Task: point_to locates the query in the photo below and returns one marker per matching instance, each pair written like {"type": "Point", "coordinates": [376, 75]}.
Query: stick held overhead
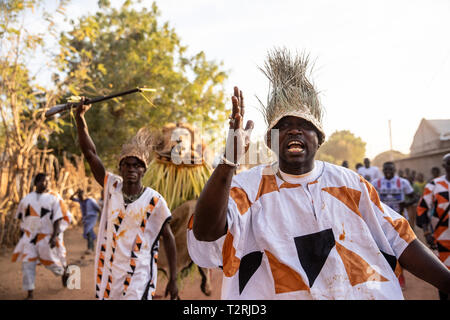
{"type": "Point", "coordinates": [67, 106]}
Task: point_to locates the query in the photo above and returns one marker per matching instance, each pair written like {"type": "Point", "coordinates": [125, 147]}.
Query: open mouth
{"type": "Point", "coordinates": [295, 146]}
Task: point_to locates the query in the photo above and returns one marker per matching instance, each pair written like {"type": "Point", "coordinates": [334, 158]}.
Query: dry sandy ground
{"type": "Point", "coordinates": [49, 287]}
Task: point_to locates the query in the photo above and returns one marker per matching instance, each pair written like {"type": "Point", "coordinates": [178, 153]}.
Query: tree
{"type": "Point", "coordinates": [22, 123]}
{"type": "Point", "coordinates": [390, 155]}
{"type": "Point", "coordinates": [342, 145]}
{"type": "Point", "coordinates": [119, 49]}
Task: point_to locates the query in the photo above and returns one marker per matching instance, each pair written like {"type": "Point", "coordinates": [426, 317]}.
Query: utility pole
{"type": "Point", "coordinates": [390, 142]}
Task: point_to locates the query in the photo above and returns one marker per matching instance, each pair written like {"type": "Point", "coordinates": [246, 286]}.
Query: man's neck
{"type": "Point", "coordinates": [297, 169]}
{"type": "Point", "coordinates": [131, 189]}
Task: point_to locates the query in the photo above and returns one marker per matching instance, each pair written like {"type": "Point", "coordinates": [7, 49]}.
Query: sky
{"type": "Point", "coordinates": [375, 61]}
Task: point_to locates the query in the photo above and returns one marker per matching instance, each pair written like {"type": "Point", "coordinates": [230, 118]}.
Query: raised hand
{"type": "Point", "coordinates": [82, 108]}
{"type": "Point", "coordinates": [238, 139]}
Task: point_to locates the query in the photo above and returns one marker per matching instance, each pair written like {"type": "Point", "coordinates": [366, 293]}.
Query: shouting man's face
{"type": "Point", "coordinates": [298, 144]}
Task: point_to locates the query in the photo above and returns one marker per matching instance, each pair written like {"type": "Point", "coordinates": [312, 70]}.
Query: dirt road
{"type": "Point", "coordinates": [49, 287]}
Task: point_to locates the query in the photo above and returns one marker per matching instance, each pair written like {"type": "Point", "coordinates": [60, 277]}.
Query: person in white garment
{"type": "Point", "coordinates": [43, 219]}
{"type": "Point", "coordinates": [394, 190]}
{"type": "Point", "coordinates": [397, 193]}
{"type": "Point", "coordinates": [433, 215]}
{"type": "Point", "coordinates": [300, 228]}
{"type": "Point", "coordinates": [132, 221]}
{"type": "Point", "coordinates": [369, 172]}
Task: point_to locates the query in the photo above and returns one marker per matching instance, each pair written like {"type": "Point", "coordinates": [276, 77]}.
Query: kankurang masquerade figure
{"type": "Point", "coordinates": [300, 228]}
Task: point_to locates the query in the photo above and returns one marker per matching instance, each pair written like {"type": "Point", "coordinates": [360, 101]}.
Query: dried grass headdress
{"type": "Point", "coordinates": [290, 92]}
{"type": "Point", "coordinates": [140, 146]}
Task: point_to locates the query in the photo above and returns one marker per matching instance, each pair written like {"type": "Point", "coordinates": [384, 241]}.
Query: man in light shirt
{"type": "Point", "coordinates": [369, 172]}
{"type": "Point", "coordinates": [397, 193]}
{"type": "Point", "coordinates": [43, 217]}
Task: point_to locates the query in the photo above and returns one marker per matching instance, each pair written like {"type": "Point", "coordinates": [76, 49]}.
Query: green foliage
{"type": "Point", "coordinates": [342, 145]}
{"type": "Point", "coordinates": [21, 98]}
{"type": "Point", "coordinates": [119, 49]}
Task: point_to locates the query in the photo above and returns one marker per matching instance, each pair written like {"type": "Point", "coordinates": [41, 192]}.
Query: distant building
{"type": "Point", "coordinates": [431, 142]}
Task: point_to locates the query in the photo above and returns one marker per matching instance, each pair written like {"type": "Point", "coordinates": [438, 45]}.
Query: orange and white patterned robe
{"type": "Point", "coordinates": [127, 244]}
{"type": "Point", "coordinates": [37, 213]}
{"type": "Point", "coordinates": [433, 208]}
{"type": "Point", "coordinates": [328, 237]}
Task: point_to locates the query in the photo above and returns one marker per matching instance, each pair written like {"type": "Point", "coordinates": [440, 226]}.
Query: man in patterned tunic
{"type": "Point", "coordinates": [43, 218]}
{"type": "Point", "coordinates": [132, 221]}
{"type": "Point", "coordinates": [394, 192]}
{"type": "Point", "coordinates": [300, 228]}
{"type": "Point", "coordinates": [432, 215]}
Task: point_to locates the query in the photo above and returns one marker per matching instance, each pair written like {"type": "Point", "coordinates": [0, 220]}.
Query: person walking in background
{"type": "Point", "coordinates": [433, 215]}
{"type": "Point", "coordinates": [418, 187]}
{"type": "Point", "coordinates": [369, 172]}
{"type": "Point", "coordinates": [395, 192]}
{"type": "Point", "coordinates": [43, 218]}
{"type": "Point", "coordinates": [419, 184]}
{"type": "Point", "coordinates": [435, 173]}
{"type": "Point", "coordinates": [89, 211]}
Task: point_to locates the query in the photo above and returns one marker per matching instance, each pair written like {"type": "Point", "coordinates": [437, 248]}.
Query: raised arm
{"type": "Point", "coordinates": [88, 146]}
{"type": "Point", "coordinates": [210, 217]}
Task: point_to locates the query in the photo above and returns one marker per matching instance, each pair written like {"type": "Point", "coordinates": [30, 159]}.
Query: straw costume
{"type": "Point", "coordinates": [321, 235]}
{"type": "Point", "coordinates": [129, 231]}
{"type": "Point", "coordinates": [180, 183]}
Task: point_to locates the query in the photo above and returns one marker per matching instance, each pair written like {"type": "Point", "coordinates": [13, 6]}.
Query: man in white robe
{"type": "Point", "coordinates": [132, 221]}
{"type": "Point", "coordinates": [43, 218]}
{"type": "Point", "coordinates": [300, 228]}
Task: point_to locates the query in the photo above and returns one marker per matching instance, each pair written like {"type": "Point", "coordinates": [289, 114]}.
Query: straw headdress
{"type": "Point", "coordinates": [140, 146]}
{"type": "Point", "coordinates": [290, 92]}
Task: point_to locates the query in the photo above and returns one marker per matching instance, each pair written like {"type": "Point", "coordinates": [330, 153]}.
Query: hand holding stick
{"type": "Point", "coordinates": [67, 106]}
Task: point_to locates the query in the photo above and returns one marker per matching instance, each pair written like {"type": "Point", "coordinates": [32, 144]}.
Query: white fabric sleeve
{"type": "Point", "coordinates": [407, 189]}
{"type": "Point", "coordinates": [391, 231]}
{"type": "Point", "coordinates": [56, 208]}
{"type": "Point", "coordinates": [210, 254]}
{"type": "Point", "coordinates": [204, 253]}
{"type": "Point", "coordinates": [20, 210]}
{"type": "Point", "coordinates": [162, 210]}
{"type": "Point", "coordinates": [397, 230]}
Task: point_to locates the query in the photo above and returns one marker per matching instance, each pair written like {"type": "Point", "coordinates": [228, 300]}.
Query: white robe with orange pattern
{"type": "Point", "coordinates": [37, 213]}
{"type": "Point", "coordinates": [127, 244]}
{"type": "Point", "coordinates": [433, 208]}
{"type": "Point", "coordinates": [328, 237]}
